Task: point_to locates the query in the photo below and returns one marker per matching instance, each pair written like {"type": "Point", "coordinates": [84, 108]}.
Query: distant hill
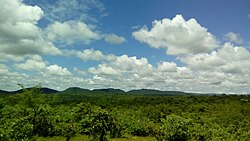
{"type": "Point", "coordinates": [5, 92]}
{"type": "Point", "coordinates": [109, 91]}
{"type": "Point", "coordinates": [74, 90]}
{"type": "Point", "coordinates": [77, 90]}
{"type": "Point", "coordinates": [43, 90]}
{"type": "Point", "coordinates": [155, 92]}
{"type": "Point", "coordinates": [48, 91]}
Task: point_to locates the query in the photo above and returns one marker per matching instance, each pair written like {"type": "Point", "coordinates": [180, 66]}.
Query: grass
{"type": "Point", "coordinates": [86, 138]}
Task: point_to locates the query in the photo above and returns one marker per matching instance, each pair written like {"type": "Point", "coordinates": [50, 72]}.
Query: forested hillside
{"type": "Point", "coordinates": [103, 115]}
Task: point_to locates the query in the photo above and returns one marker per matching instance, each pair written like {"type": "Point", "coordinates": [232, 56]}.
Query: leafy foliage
{"type": "Point", "coordinates": [114, 114]}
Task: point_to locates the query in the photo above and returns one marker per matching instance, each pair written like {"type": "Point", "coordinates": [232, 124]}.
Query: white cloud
{"type": "Point", "coordinates": [103, 69]}
{"type": "Point", "coordinates": [6, 73]}
{"type": "Point", "coordinates": [177, 36]}
{"type": "Point", "coordinates": [135, 73]}
{"type": "Point", "coordinates": [40, 67]}
{"type": "Point", "coordinates": [64, 10]}
{"type": "Point", "coordinates": [80, 72]}
{"type": "Point", "coordinates": [19, 33]}
{"type": "Point", "coordinates": [7, 57]}
{"type": "Point", "coordinates": [58, 70]}
{"type": "Point", "coordinates": [225, 70]}
{"type": "Point", "coordinates": [228, 59]}
{"type": "Point", "coordinates": [131, 63]}
{"type": "Point", "coordinates": [204, 61]}
{"type": "Point", "coordinates": [15, 11]}
{"type": "Point", "coordinates": [9, 79]}
{"type": "Point", "coordinates": [72, 31]}
{"type": "Point", "coordinates": [233, 37]}
{"type": "Point", "coordinates": [114, 39]}
{"type": "Point", "coordinates": [3, 69]}
{"type": "Point", "coordinates": [218, 71]}
{"type": "Point", "coordinates": [123, 64]}
{"type": "Point", "coordinates": [35, 63]}
{"type": "Point", "coordinates": [49, 78]}
{"type": "Point", "coordinates": [167, 67]}
{"type": "Point", "coordinates": [89, 55]}
{"type": "Point", "coordinates": [28, 46]}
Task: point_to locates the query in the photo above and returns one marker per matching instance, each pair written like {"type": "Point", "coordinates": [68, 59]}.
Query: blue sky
{"type": "Point", "coordinates": [193, 46]}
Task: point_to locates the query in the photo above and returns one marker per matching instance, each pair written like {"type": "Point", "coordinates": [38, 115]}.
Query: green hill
{"type": "Point", "coordinates": [108, 91]}
{"type": "Point", "coordinates": [155, 92]}
{"type": "Point", "coordinates": [74, 90]}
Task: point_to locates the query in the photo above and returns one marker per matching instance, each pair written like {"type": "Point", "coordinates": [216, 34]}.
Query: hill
{"type": "Point", "coordinates": [155, 92]}
{"type": "Point", "coordinates": [108, 91]}
{"type": "Point", "coordinates": [77, 90]}
{"type": "Point", "coordinates": [43, 90]}
{"type": "Point", "coordinates": [5, 92]}
{"type": "Point", "coordinates": [74, 90]}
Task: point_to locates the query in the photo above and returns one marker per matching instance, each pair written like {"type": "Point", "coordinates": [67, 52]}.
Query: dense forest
{"type": "Point", "coordinates": [105, 114]}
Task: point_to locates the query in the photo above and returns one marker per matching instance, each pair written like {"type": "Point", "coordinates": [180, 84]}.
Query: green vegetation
{"type": "Point", "coordinates": [110, 114]}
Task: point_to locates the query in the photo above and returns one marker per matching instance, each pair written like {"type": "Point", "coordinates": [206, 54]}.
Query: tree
{"type": "Point", "coordinates": [63, 122]}
{"type": "Point", "coordinates": [95, 120]}
{"type": "Point", "coordinates": [15, 124]}
{"type": "Point", "coordinates": [174, 128]}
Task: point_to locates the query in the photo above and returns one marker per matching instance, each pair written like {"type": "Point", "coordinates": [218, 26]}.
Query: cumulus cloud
{"type": "Point", "coordinates": [15, 11]}
{"type": "Point", "coordinates": [4, 70]}
{"type": "Point", "coordinates": [9, 78]}
{"type": "Point", "coordinates": [58, 70]}
{"type": "Point", "coordinates": [204, 67]}
{"type": "Point", "coordinates": [134, 73]}
{"type": "Point", "coordinates": [89, 55]}
{"type": "Point", "coordinates": [7, 57]}
{"type": "Point", "coordinates": [226, 68]}
{"type": "Point", "coordinates": [123, 64]}
{"type": "Point", "coordinates": [59, 81]}
{"type": "Point", "coordinates": [130, 72]}
{"type": "Point", "coordinates": [19, 33]}
{"type": "Point", "coordinates": [167, 67]}
{"type": "Point", "coordinates": [103, 69]}
{"type": "Point", "coordinates": [218, 71]}
{"type": "Point", "coordinates": [114, 39]}
{"type": "Point", "coordinates": [71, 31]}
{"type": "Point", "coordinates": [233, 37]}
{"type": "Point", "coordinates": [228, 59]}
{"type": "Point", "coordinates": [177, 36]}
{"type": "Point", "coordinates": [35, 63]}
{"type": "Point", "coordinates": [80, 72]}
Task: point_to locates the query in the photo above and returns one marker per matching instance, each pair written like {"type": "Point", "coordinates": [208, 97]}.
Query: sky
{"type": "Point", "coordinates": [176, 45]}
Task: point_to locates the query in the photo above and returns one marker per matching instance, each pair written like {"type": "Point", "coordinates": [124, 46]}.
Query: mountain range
{"type": "Point", "coordinates": [77, 90]}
